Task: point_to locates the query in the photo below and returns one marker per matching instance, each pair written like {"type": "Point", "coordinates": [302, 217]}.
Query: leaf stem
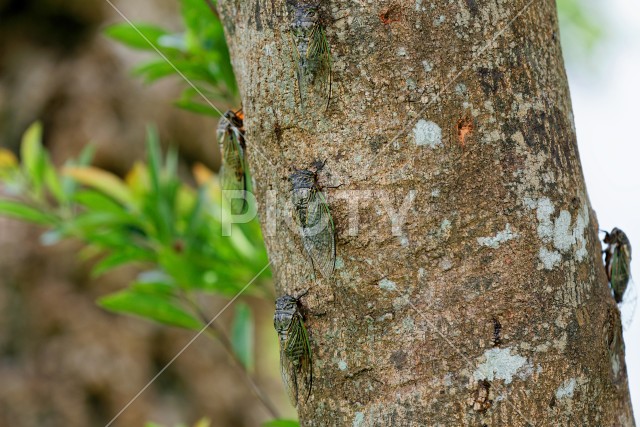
{"type": "Point", "coordinates": [216, 332]}
{"type": "Point", "coordinates": [212, 7]}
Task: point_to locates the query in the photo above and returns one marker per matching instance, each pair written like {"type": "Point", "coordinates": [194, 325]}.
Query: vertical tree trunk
{"type": "Point", "coordinates": [489, 305]}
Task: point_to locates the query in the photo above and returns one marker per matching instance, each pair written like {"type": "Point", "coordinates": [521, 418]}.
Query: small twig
{"type": "Point", "coordinates": [226, 343]}
{"type": "Point", "coordinates": [212, 7]}
{"type": "Point", "coordinates": [216, 332]}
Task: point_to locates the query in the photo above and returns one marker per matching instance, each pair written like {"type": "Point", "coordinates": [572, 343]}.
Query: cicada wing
{"type": "Point", "coordinates": [298, 350]}
{"type": "Point", "coordinates": [628, 305]}
{"type": "Point", "coordinates": [289, 375]}
{"type": "Point", "coordinates": [319, 54]}
{"type": "Point", "coordinates": [318, 234]}
{"type": "Point", "coordinates": [620, 272]}
{"type": "Point", "coordinates": [299, 61]}
{"type": "Point", "coordinates": [233, 172]}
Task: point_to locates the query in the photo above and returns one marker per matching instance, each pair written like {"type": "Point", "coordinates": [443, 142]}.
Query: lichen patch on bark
{"type": "Point", "coordinates": [427, 133]}
{"type": "Point", "coordinates": [500, 364]}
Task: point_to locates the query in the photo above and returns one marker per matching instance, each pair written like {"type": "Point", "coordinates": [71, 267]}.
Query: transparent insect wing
{"type": "Point", "coordinates": [289, 376]}
{"type": "Point", "coordinates": [620, 271]}
{"type": "Point", "coordinates": [628, 305]}
{"type": "Point", "coordinates": [319, 54]}
{"type": "Point", "coordinates": [314, 218]}
{"type": "Point", "coordinates": [312, 50]}
{"type": "Point", "coordinates": [298, 352]}
{"type": "Point", "coordinates": [318, 234]}
{"type": "Point", "coordinates": [295, 348]}
{"type": "Point", "coordinates": [233, 172]}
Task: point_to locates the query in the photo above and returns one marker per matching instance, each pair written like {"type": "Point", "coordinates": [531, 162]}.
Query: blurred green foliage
{"type": "Point", "coordinates": [151, 218]}
{"type": "Point", "coordinates": [199, 55]}
{"type": "Point", "coordinates": [281, 423]}
{"type": "Point", "coordinates": [173, 232]}
{"type": "Point", "coordinates": [582, 30]}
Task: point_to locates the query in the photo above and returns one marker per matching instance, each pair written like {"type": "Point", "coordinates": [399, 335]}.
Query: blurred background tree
{"type": "Point", "coordinates": [147, 228]}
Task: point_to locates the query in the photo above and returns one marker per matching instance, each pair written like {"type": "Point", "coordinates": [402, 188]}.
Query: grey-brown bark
{"type": "Point", "coordinates": [490, 306]}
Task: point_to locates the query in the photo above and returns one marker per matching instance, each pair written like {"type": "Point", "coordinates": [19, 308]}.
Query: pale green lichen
{"type": "Point", "coordinates": [495, 241]}
{"type": "Point", "coordinates": [342, 365]}
{"type": "Point", "coordinates": [566, 389]}
{"type": "Point", "coordinates": [559, 233]}
{"type": "Point", "coordinates": [550, 259]}
{"type": "Point", "coordinates": [400, 302]}
{"type": "Point", "coordinates": [385, 317]}
{"type": "Point", "coordinates": [427, 133]}
{"type": "Point", "coordinates": [358, 421]}
{"type": "Point", "coordinates": [500, 364]}
{"type": "Point", "coordinates": [408, 324]}
{"type": "Point", "coordinates": [387, 285]}
{"type": "Point", "coordinates": [446, 264]}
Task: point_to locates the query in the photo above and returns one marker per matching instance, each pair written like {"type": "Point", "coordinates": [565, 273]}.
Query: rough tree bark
{"type": "Point", "coordinates": [490, 306]}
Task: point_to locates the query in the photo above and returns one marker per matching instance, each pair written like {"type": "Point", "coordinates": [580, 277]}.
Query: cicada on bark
{"type": "Point", "coordinates": [295, 348]}
{"type": "Point", "coordinates": [314, 219]}
{"type": "Point", "coordinates": [618, 261]}
{"type": "Point", "coordinates": [233, 173]}
{"type": "Point", "coordinates": [312, 49]}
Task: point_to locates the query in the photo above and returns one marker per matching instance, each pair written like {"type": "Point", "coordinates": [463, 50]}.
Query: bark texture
{"type": "Point", "coordinates": [490, 305]}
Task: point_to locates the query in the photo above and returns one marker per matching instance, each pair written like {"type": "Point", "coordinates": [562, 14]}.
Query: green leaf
{"type": "Point", "coordinates": [98, 202]}
{"type": "Point", "coordinates": [26, 213]}
{"type": "Point", "coordinates": [149, 306]}
{"type": "Point", "coordinates": [33, 156]}
{"type": "Point", "coordinates": [155, 277]}
{"type": "Point", "coordinates": [52, 180]}
{"type": "Point", "coordinates": [173, 41]}
{"type": "Point", "coordinates": [102, 181]}
{"type": "Point", "coordinates": [111, 262]}
{"type": "Point", "coordinates": [137, 35]}
{"type": "Point", "coordinates": [154, 158]}
{"type": "Point", "coordinates": [281, 423]}
{"type": "Point", "coordinates": [69, 186]}
{"type": "Point", "coordinates": [242, 335]}
{"type": "Point", "coordinates": [154, 70]}
{"type": "Point", "coordinates": [154, 288]}
{"type": "Point", "coordinates": [86, 155]}
{"type": "Point", "coordinates": [197, 108]}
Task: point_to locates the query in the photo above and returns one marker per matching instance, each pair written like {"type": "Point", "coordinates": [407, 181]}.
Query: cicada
{"type": "Point", "coordinates": [295, 348]}
{"type": "Point", "coordinates": [234, 166]}
{"type": "Point", "coordinates": [618, 261]}
{"type": "Point", "coordinates": [314, 219]}
{"type": "Point", "coordinates": [313, 53]}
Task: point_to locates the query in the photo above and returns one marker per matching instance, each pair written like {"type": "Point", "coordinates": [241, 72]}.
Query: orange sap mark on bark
{"type": "Point", "coordinates": [465, 129]}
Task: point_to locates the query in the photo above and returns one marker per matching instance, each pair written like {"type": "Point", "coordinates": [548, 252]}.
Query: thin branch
{"type": "Point", "coordinates": [216, 332]}
{"type": "Point", "coordinates": [212, 7]}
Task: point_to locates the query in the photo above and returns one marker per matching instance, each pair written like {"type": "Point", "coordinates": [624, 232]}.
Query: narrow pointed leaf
{"type": "Point", "coordinates": [103, 181]}
{"type": "Point", "coordinates": [242, 336]}
{"type": "Point", "coordinates": [26, 213]}
{"type": "Point", "coordinates": [149, 306]}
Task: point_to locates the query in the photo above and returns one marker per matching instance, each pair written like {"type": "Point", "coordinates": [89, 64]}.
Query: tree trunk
{"type": "Point", "coordinates": [486, 303]}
